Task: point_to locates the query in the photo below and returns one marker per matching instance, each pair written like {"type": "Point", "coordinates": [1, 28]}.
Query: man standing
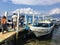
{"type": "Point", "coordinates": [14, 20]}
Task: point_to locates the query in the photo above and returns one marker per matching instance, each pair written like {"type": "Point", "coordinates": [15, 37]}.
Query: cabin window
{"type": "Point", "coordinates": [43, 24]}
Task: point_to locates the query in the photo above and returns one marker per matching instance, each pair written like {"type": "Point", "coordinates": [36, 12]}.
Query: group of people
{"type": "Point", "coordinates": [4, 24]}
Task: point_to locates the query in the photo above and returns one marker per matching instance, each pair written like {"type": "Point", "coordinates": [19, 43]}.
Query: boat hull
{"type": "Point", "coordinates": [38, 31]}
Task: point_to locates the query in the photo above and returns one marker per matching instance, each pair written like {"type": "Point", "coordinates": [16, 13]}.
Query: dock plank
{"type": "Point", "coordinates": [6, 35]}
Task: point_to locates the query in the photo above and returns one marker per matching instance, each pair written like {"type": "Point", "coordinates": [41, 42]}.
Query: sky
{"type": "Point", "coordinates": [39, 5]}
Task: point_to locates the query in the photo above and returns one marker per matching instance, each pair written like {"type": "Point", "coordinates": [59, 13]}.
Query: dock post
{"type": "Point", "coordinates": [6, 14]}
{"type": "Point", "coordinates": [17, 24]}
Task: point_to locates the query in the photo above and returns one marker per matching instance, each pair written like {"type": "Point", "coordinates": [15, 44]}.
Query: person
{"type": "Point", "coordinates": [4, 24]}
{"type": "Point", "coordinates": [14, 20]}
{"type": "Point", "coordinates": [0, 20]}
{"type": "Point", "coordinates": [0, 25]}
{"type": "Point", "coordinates": [22, 21]}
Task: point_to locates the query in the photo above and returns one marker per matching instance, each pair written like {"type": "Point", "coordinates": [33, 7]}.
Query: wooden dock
{"type": "Point", "coordinates": [8, 35]}
{"type": "Point", "coordinates": [5, 36]}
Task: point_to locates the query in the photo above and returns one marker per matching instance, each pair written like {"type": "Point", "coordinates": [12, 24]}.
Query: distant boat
{"type": "Point", "coordinates": [55, 21]}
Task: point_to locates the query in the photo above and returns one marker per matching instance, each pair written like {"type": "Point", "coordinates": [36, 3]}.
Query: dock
{"type": "Point", "coordinates": [4, 38]}
{"type": "Point", "coordinates": [6, 35]}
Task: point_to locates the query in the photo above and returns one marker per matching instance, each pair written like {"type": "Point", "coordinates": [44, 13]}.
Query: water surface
{"type": "Point", "coordinates": [55, 40]}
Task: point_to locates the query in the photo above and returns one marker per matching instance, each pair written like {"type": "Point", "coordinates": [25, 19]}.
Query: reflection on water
{"type": "Point", "coordinates": [54, 41]}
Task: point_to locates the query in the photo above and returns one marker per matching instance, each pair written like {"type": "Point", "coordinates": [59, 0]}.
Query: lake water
{"type": "Point", "coordinates": [55, 40]}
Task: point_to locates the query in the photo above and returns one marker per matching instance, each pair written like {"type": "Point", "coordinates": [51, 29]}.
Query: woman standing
{"type": "Point", "coordinates": [0, 25]}
{"type": "Point", "coordinates": [4, 24]}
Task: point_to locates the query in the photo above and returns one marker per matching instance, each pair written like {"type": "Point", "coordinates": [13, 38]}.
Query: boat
{"type": "Point", "coordinates": [58, 22]}
{"type": "Point", "coordinates": [55, 21]}
{"type": "Point", "coordinates": [41, 28]}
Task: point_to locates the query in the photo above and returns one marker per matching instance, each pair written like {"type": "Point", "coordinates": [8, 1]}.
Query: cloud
{"type": "Point", "coordinates": [35, 2]}
{"type": "Point", "coordinates": [55, 11]}
{"type": "Point", "coordinates": [4, 0]}
{"type": "Point", "coordinates": [26, 11]}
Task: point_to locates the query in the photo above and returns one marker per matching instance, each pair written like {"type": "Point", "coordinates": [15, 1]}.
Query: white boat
{"type": "Point", "coordinates": [41, 28]}
{"type": "Point", "coordinates": [58, 22]}
{"type": "Point", "coordinates": [55, 21]}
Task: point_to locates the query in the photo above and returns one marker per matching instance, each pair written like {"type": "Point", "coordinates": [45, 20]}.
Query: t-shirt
{"type": "Point", "coordinates": [14, 19]}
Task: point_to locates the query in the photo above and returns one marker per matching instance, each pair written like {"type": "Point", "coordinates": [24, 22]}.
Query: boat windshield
{"type": "Point", "coordinates": [42, 24]}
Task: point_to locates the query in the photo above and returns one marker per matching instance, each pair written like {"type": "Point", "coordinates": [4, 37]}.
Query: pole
{"type": "Point", "coordinates": [38, 18]}
{"type": "Point", "coordinates": [6, 14]}
{"type": "Point", "coordinates": [25, 19]}
{"type": "Point", "coordinates": [43, 17]}
{"type": "Point", "coordinates": [33, 19]}
{"type": "Point", "coordinates": [17, 24]}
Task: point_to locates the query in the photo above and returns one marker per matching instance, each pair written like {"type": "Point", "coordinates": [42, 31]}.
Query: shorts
{"type": "Point", "coordinates": [14, 23]}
